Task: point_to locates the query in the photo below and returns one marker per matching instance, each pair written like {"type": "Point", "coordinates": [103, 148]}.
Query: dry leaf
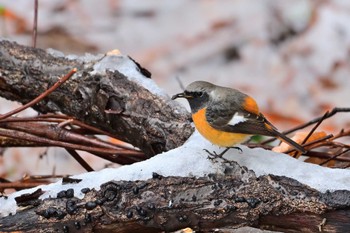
{"type": "Point", "coordinates": [299, 138]}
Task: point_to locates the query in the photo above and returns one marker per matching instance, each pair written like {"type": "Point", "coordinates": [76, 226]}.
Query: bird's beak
{"type": "Point", "coordinates": [180, 95]}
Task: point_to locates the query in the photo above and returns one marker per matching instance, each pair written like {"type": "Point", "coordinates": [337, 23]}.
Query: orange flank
{"type": "Point", "coordinates": [250, 105]}
{"type": "Point", "coordinates": [217, 137]}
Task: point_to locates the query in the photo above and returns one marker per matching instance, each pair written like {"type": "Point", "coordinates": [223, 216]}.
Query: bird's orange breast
{"type": "Point", "coordinates": [217, 137]}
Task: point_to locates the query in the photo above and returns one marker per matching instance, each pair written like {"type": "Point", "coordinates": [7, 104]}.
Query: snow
{"type": "Point", "coordinates": [191, 160]}
{"type": "Point", "coordinates": [116, 62]}
{"type": "Point", "coordinates": [127, 67]}
{"type": "Point", "coordinates": [264, 162]}
{"type": "Point", "coordinates": [54, 52]}
{"type": "Point", "coordinates": [87, 57]}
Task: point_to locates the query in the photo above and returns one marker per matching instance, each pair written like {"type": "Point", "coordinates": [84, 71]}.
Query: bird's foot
{"type": "Point", "coordinates": [213, 155]}
{"type": "Point", "coordinates": [236, 148]}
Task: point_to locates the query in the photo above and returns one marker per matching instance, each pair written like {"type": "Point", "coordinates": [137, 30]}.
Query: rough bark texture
{"type": "Point", "coordinates": [171, 203]}
{"type": "Point", "coordinates": [135, 115]}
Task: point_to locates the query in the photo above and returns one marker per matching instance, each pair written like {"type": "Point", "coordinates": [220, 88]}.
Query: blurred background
{"type": "Point", "coordinates": [292, 56]}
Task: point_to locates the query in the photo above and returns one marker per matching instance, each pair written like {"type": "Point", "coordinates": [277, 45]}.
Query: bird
{"type": "Point", "coordinates": [227, 117]}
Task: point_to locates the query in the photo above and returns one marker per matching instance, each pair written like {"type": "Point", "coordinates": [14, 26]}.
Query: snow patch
{"type": "Point", "coordinates": [191, 160]}
{"type": "Point", "coordinates": [127, 67]}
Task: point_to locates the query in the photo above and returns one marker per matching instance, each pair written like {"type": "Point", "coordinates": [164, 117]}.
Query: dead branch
{"type": "Point", "coordinates": [317, 120]}
{"type": "Point", "coordinates": [58, 130]}
{"type": "Point", "coordinates": [326, 141]}
{"type": "Point", "coordinates": [110, 102]}
{"type": "Point", "coordinates": [41, 96]}
{"type": "Point", "coordinates": [171, 203]}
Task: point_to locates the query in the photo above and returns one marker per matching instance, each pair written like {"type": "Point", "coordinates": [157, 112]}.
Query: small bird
{"type": "Point", "coordinates": [226, 116]}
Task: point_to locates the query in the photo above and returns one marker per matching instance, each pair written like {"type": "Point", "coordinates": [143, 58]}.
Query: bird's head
{"type": "Point", "coordinates": [197, 93]}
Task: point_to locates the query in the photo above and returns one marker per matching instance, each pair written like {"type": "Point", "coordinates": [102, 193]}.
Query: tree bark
{"type": "Point", "coordinates": [110, 101]}
{"type": "Point", "coordinates": [171, 203]}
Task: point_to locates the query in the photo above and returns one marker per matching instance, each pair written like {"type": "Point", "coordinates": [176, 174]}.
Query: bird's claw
{"type": "Point", "coordinates": [237, 148]}
{"type": "Point", "coordinates": [213, 155]}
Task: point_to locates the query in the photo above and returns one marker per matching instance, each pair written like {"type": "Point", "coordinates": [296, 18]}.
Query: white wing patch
{"type": "Point", "coordinates": [237, 118]}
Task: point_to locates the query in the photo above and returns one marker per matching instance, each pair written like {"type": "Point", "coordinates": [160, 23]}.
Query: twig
{"type": "Point", "coordinates": [35, 23]}
{"type": "Point", "coordinates": [105, 153]}
{"type": "Point", "coordinates": [15, 142]}
{"type": "Point", "coordinates": [342, 133]}
{"type": "Point", "coordinates": [40, 177]}
{"type": "Point", "coordinates": [56, 118]}
{"type": "Point", "coordinates": [57, 133]}
{"type": "Point", "coordinates": [41, 96]}
{"type": "Point", "coordinates": [311, 132]}
{"type": "Point", "coordinates": [180, 82]}
{"type": "Point", "coordinates": [80, 160]}
{"type": "Point", "coordinates": [64, 123]}
{"type": "Point", "coordinates": [334, 156]}
{"type": "Point", "coordinates": [313, 142]}
{"type": "Point", "coordinates": [315, 127]}
{"type": "Point", "coordinates": [27, 181]}
{"type": "Point", "coordinates": [257, 145]}
{"type": "Point", "coordinates": [43, 133]}
{"type": "Point", "coordinates": [99, 131]}
{"type": "Point", "coordinates": [20, 185]}
{"type": "Point", "coordinates": [325, 116]}
{"type": "Point", "coordinates": [88, 127]}
{"type": "Point", "coordinates": [325, 155]}
{"type": "Point", "coordinates": [331, 142]}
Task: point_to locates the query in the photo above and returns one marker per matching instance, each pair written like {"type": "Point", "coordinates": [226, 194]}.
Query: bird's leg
{"type": "Point", "coordinates": [227, 148]}
{"type": "Point", "coordinates": [223, 152]}
{"type": "Point", "coordinates": [213, 155]}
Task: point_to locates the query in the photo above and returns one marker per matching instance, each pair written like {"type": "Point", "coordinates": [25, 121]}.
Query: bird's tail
{"type": "Point", "coordinates": [274, 132]}
{"type": "Point", "coordinates": [290, 142]}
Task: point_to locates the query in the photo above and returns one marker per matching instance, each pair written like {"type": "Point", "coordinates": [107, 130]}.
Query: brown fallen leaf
{"type": "Point", "coordinates": [299, 138]}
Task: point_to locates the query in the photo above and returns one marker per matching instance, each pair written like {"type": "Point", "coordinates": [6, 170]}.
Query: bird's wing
{"type": "Point", "coordinates": [240, 115]}
{"type": "Point", "coordinates": [245, 122]}
{"type": "Point", "coordinates": [238, 121]}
